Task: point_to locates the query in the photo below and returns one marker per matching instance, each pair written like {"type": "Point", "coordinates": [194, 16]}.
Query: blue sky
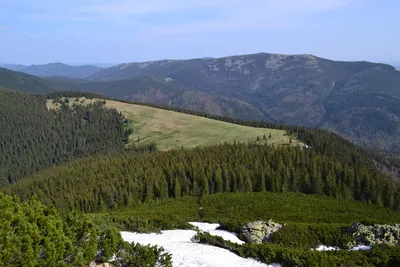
{"type": "Point", "coordinates": [116, 31]}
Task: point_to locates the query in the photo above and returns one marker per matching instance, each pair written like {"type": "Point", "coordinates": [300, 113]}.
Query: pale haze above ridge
{"type": "Point", "coordinates": [80, 31]}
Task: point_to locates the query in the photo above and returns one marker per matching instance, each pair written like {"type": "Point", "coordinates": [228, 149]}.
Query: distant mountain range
{"type": "Point", "coordinates": [14, 67]}
{"type": "Point", "coordinates": [54, 69]}
{"type": "Point", "coordinates": [359, 100]}
{"type": "Point", "coordinates": [100, 65]}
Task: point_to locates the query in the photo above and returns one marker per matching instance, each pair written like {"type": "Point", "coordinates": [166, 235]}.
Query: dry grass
{"type": "Point", "coordinates": [170, 129]}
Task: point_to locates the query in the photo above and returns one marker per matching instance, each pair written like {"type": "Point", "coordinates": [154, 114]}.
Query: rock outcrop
{"type": "Point", "coordinates": [375, 234]}
{"type": "Point", "coordinates": [260, 231]}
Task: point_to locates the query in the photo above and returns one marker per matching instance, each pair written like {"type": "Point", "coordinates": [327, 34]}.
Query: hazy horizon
{"type": "Point", "coordinates": [107, 65]}
{"type": "Point", "coordinates": [37, 32]}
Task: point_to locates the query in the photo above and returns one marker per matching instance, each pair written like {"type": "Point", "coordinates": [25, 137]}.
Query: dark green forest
{"type": "Point", "coordinates": [103, 182]}
{"type": "Point", "coordinates": [23, 82]}
{"type": "Point", "coordinates": [33, 138]}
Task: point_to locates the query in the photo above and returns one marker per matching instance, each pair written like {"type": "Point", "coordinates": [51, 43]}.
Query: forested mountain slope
{"type": "Point", "coordinates": [356, 99]}
{"type": "Point", "coordinates": [95, 184]}
{"type": "Point", "coordinates": [172, 127]}
{"type": "Point", "coordinates": [158, 91]}
{"type": "Point", "coordinates": [228, 183]}
{"type": "Point", "coordinates": [33, 138]}
{"type": "Point", "coordinates": [23, 82]}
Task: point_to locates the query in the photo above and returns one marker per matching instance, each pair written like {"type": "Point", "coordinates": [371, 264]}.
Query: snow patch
{"type": "Point", "coordinates": [185, 253]}
{"type": "Point", "coordinates": [328, 248]}
{"type": "Point", "coordinates": [361, 247]}
{"type": "Point", "coordinates": [211, 228]}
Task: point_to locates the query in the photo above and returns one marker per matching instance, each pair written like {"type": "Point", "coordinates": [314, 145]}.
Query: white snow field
{"type": "Point", "coordinates": [185, 253]}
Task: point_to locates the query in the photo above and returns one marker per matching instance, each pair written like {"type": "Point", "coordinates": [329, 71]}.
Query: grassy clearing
{"type": "Point", "coordinates": [170, 129]}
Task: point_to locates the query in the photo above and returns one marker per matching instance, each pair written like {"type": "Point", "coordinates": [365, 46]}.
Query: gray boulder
{"type": "Point", "coordinates": [375, 234]}
{"type": "Point", "coordinates": [260, 231]}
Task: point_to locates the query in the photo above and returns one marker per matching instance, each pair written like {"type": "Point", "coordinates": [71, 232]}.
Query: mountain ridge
{"type": "Point", "coordinates": [54, 69]}
{"type": "Point", "coordinates": [23, 82]}
{"type": "Point", "coordinates": [295, 89]}
{"type": "Point", "coordinates": [200, 61]}
{"type": "Point", "coordinates": [358, 100]}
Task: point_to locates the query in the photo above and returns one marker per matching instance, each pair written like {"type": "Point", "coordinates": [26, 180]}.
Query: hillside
{"type": "Point", "coordinates": [322, 141]}
{"type": "Point", "coordinates": [61, 70]}
{"type": "Point", "coordinates": [54, 70]}
{"type": "Point", "coordinates": [23, 82]}
{"type": "Point", "coordinates": [117, 180]}
{"type": "Point", "coordinates": [13, 67]}
{"type": "Point", "coordinates": [158, 91]}
{"type": "Point", "coordinates": [231, 185]}
{"type": "Point", "coordinates": [141, 89]}
{"type": "Point", "coordinates": [317, 193]}
{"type": "Point", "coordinates": [355, 99]}
{"type": "Point", "coordinates": [358, 100]}
{"type": "Point", "coordinates": [33, 138]}
{"type": "Point", "coordinates": [171, 129]}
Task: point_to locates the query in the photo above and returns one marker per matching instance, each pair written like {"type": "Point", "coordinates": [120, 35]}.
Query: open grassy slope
{"type": "Point", "coordinates": [170, 129]}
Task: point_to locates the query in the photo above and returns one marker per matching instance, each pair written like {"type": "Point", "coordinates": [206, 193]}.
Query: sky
{"type": "Point", "coordinates": [117, 31]}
